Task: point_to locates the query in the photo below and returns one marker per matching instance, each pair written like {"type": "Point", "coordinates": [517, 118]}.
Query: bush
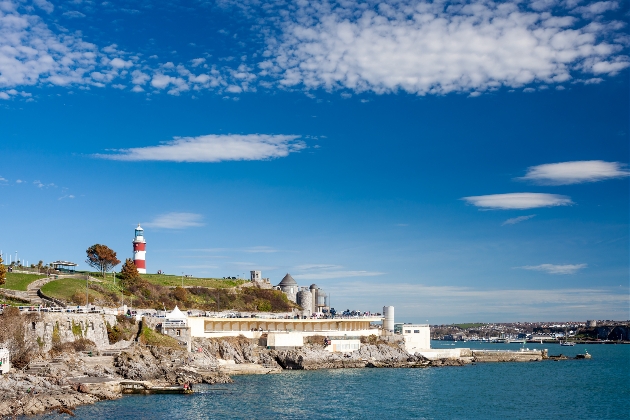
{"type": "Point", "coordinates": [154, 338]}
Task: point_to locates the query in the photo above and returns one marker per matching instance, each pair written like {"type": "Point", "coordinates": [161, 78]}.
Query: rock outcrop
{"type": "Point", "coordinates": [22, 394]}
{"type": "Point", "coordinates": [159, 364]}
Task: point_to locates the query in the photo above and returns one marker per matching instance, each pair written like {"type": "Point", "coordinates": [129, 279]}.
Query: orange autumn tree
{"type": "Point", "coordinates": [102, 258]}
{"type": "Point", "coordinates": [3, 272]}
{"type": "Point", "coordinates": [129, 273]}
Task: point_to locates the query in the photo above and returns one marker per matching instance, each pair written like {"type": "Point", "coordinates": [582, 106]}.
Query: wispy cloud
{"type": "Point", "coordinates": [214, 148]}
{"type": "Point", "coordinates": [518, 201]}
{"type": "Point", "coordinates": [40, 184]}
{"type": "Point", "coordinates": [577, 172]}
{"type": "Point", "coordinates": [261, 249]}
{"type": "Point", "coordinates": [70, 196]}
{"type": "Point", "coordinates": [413, 301]}
{"type": "Point", "coordinates": [176, 220]}
{"type": "Point", "coordinates": [556, 269]}
{"type": "Point", "coordinates": [516, 220]}
{"type": "Point", "coordinates": [329, 271]}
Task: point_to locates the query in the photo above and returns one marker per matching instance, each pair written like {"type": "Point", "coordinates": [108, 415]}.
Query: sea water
{"type": "Point", "coordinates": [597, 388]}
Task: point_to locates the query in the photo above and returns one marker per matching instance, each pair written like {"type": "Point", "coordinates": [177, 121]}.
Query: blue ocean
{"type": "Point", "coordinates": [598, 388]}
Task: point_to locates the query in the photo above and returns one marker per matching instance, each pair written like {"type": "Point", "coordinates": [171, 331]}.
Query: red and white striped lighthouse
{"type": "Point", "coordinates": [140, 250]}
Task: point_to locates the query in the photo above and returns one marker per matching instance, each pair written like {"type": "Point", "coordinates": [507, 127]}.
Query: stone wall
{"type": "Point", "coordinates": [67, 327]}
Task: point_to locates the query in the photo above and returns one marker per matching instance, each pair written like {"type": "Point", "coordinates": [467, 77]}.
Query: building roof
{"type": "Point", "coordinates": [176, 314]}
{"type": "Point", "coordinates": [66, 263]}
{"type": "Point", "coordinates": [313, 286]}
{"type": "Point", "coordinates": [288, 281]}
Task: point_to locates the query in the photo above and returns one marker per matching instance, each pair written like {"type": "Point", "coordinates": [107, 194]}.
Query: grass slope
{"type": "Point", "coordinates": [70, 290]}
{"type": "Point", "coordinates": [19, 281]}
{"type": "Point", "coordinates": [174, 281]}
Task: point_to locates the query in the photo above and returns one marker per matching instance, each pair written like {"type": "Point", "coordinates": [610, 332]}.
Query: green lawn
{"type": "Point", "coordinates": [19, 281]}
{"type": "Point", "coordinates": [171, 281]}
{"type": "Point", "coordinates": [65, 289]}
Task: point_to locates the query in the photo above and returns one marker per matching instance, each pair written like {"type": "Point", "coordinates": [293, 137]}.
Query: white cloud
{"type": "Point", "coordinates": [516, 220]}
{"type": "Point", "coordinates": [197, 62]}
{"type": "Point", "coordinates": [34, 53]}
{"type": "Point", "coordinates": [329, 271]}
{"type": "Point", "coordinates": [426, 47]}
{"type": "Point", "coordinates": [556, 269]}
{"type": "Point", "coordinates": [73, 14]}
{"type": "Point", "coordinates": [416, 302]}
{"type": "Point", "coordinates": [214, 148]}
{"type": "Point", "coordinates": [518, 201]}
{"type": "Point", "coordinates": [46, 6]}
{"type": "Point", "coordinates": [566, 173]}
{"type": "Point", "coordinates": [597, 8]}
{"type": "Point", "coordinates": [261, 249]}
{"type": "Point", "coordinates": [176, 220]}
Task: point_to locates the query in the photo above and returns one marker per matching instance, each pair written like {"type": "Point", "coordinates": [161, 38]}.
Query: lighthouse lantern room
{"type": "Point", "coordinates": [140, 251]}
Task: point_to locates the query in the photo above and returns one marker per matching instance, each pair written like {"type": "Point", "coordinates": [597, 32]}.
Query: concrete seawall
{"type": "Point", "coordinates": [508, 356]}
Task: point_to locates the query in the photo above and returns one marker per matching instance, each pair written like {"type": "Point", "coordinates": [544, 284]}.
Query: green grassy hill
{"type": "Point", "coordinates": [156, 291]}
{"type": "Point", "coordinates": [19, 281]}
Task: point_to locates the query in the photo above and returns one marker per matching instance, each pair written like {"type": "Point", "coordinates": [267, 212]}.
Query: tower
{"type": "Point", "coordinates": [140, 250]}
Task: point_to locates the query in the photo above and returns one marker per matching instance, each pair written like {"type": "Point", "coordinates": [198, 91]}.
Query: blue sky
{"type": "Point", "coordinates": [462, 162]}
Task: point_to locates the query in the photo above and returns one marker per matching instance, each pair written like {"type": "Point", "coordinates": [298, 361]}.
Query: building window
{"type": "Point", "coordinates": [407, 331]}
{"type": "Point", "coordinates": [178, 333]}
{"type": "Point", "coordinates": [33, 325]}
{"type": "Point", "coordinates": [416, 331]}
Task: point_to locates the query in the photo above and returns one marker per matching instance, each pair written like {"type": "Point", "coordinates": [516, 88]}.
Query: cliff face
{"type": "Point", "coordinates": [48, 328]}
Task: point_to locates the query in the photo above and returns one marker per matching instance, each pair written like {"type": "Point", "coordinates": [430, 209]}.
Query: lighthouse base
{"type": "Point", "coordinates": [142, 270]}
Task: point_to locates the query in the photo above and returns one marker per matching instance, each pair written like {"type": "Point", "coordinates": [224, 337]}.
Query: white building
{"type": "Point", "coordinates": [417, 337]}
{"type": "Point", "coordinates": [5, 364]}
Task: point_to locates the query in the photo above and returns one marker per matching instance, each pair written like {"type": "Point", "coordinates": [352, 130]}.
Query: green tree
{"type": "Point", "coordinates": [3, 272]}
{"type": "Point", "coordinates": [129, 273]}
{"type": "Point", "coordinates": [101, 258]}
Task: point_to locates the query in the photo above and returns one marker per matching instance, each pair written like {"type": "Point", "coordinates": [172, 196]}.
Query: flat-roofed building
{"type": "Point", "coordinates": [417, 337]}
{"type": "Point", "coordinates": [205, 327]}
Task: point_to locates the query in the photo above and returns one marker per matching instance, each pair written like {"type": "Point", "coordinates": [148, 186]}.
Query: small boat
{"type": "Point", "coordinates": [567, 343]}
{"type": "Point", "coordinates": [137, 387]}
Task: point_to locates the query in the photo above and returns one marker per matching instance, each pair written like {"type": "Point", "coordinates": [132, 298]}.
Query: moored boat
{"type": "Point", "coordinates": [137, 387]}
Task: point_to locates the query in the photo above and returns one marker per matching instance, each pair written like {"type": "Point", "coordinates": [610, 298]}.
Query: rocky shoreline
{"type": "Point", "coordinates": [76, 379]}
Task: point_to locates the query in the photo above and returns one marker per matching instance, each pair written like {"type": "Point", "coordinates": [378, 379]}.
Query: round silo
{"type": "Point", "coordinates": [305, 300]}
{"type": "Point", "coordinates": [388, 320]}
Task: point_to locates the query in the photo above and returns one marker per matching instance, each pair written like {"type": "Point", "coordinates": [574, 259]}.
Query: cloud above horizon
{"type": "Point", "coordinates": [567, 173]}
{"type": "Point", "coordinates": [519, 219]}
{"type": "Point", "coordinates": [518, 201]}
{"type": "Point", "coordinates": [213, 148]}
{"type": "Point", "coordinates": [176, 220]}
{"type": "Point", "coordinates": [329, 271]}
{"type": "Point", "coordinates": [416, 302]}
{"type": "Point", "coordinates": [555, 268]}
